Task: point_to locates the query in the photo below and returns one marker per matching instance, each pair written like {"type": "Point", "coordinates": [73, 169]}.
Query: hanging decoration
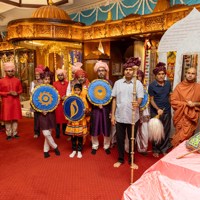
{"type": "Point", "coordinates": [120, 9]}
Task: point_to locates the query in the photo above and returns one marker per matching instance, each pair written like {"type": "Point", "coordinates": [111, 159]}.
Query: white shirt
{"type": "Point", "coordinates": [123, 91]}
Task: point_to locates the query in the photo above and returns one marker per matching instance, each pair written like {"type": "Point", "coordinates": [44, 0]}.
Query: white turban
{"type": "Point", "coordinates": [8, 66]}
{"type": "Point", "coordinates": [61, 71]}
{"type": "Point", "coordinates": [76, 66]}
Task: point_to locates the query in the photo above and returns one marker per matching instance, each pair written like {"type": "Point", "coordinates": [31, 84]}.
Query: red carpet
{"type": "Point", "coordinates": [26, 175]}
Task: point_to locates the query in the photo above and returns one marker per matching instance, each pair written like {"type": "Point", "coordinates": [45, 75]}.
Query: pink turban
{"type": "Point", "coordinates": [61, 71]}
{"type": "Point", "coordinates": [8, 66]}
{"type": "Point", "coordinates": [76, 66]}
{"type": "Point", "coordinates": [160, 67]}
{"type": "Point", "coordinates": [80, 72]}
{"type": "Point", "coordinates": [40, 69]}
{"type": "Point", "coordinates": [102, 65]}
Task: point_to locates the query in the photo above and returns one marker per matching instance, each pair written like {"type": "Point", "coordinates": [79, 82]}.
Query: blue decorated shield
{"type": "Point", "coordinates": [74, 108]}
{"type": "Point", "coordinates": [99, 92]}
{"type": "Point", "coordinates": [45, 98]}
{"type": "Point", "coordinates": [145, 101]}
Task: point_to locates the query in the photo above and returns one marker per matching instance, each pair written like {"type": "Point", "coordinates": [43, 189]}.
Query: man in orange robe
{"type": "Point", "coordinates": [10, 89]}
{"type": "Point", "coordinates": [185, 101]}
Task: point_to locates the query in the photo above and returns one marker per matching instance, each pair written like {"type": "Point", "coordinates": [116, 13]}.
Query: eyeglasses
{"type": "Point", "coordinates": [10, 71]}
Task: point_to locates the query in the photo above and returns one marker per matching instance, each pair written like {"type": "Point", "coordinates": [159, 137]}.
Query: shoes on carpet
{"type": "Point", "coordinates": [8, 138]}
{"type": "Point", "coordinates": [36, 136]}
{"type": "Point", "coordinates": [107, 151]}
{"type": "Point", "coordinates": [79, 155]}
{"type": "Point", "coordinates": [16, 136]}
{"type": "Point", "coordinates": [57, 136]}
{"type": "Point", "coordinates": [93, 152]}
{"type": "Point", "coordinates": [46, 154]}
{"type": "Point", "coordinates": [72, 154]}
{"type": "Point", "coordinates": [57, 152]}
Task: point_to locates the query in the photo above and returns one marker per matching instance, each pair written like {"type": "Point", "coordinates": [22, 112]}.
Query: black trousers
{"type": "Point", "coordinates": [76, 146]}
{"type": "Point", "coordinates": [121, 130]}
{"type": "Point", "coordinates": [58, 129]}
{"type": "Point", "coordinates": [164, 145]}
{"type": "Point", "coordinates": [36, 123]}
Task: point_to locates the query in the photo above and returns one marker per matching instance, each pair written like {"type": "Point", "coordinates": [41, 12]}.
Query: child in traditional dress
{"type": "Point", "coordinates": [77, 129]}
{"type": "Point", "coordinates": [47, 120]}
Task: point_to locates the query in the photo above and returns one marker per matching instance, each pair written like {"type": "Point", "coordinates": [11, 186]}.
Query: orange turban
{"type": "Point", "coordinates": [80, 72]}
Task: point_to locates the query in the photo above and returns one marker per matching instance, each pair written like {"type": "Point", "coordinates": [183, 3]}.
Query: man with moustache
{"type": "Point", "coordinates": [100, 121]}
{"type": "Point", "coordinates": [123, 105]}
{"type": "Point", "coordinates": [159, 91]}
{"type": "Point", "coordinates": [61, 86]}
{"type": "Point", "coordinates": [10, 89]}
{"type": "Point", "coordinates": [38, 71]}
{"type": "Point", "coordinates": [185, 101]}
{"type": "Point", "coordinates": [81, 77]}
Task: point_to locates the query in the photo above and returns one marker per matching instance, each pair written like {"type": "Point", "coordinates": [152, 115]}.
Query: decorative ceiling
{"type": "Point", "coordinates": [85, 11]}
{"type": "Point", "coordinates": [29, 4]}
{"type": "Point", "coordinates": [17, 9]}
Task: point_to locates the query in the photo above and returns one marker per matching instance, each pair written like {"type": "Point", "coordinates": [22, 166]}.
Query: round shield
{"type": "Point", "coordinates": [99, 92]}
{"type": "Point", "coordinates": [45, 98]}
{"type": "Point", "coordinates": [145, 101]}
{"type": "Point", "coordinates": [74, 108]}
{"type": "Point", "coordinates": [194, 142]}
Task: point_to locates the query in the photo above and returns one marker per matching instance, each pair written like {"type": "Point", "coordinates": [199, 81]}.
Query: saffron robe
{"type": "Point", "coordinates": [62, 89]}
{"type": "Point", "coordinates": [185, 118]}
{"type": "Point", "coordinates": [11, 107]}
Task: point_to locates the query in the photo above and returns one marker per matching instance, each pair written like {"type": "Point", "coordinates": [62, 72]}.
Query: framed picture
{"type": "Point", "coordinates": [189, 61]}
{"type": "Point", "coordinates": [117, 69]}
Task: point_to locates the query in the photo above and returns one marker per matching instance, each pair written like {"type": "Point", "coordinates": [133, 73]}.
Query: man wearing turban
{"type": "Point", "coordinates": [10, 89]}
{"type": "Point", "coordinates": [100, 121]}
{"type": "Point", "coordinates": [81, 77]}
{"type": "Point", "coordinates": [159, 91]}
{"type": "Point", "coordinates": [38, 71]}
{"type": "Point", "coordinates": [61, 86]}
{"type": "Point", "coordinates": [123, 105]}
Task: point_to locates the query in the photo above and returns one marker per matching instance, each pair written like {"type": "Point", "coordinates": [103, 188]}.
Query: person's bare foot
{"type": "Point", "coordinates": [117, 164]}
{"type": "Point", "coordinates": [134, 166]}
{"type": "Point", "coordinates": [156, 155]}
